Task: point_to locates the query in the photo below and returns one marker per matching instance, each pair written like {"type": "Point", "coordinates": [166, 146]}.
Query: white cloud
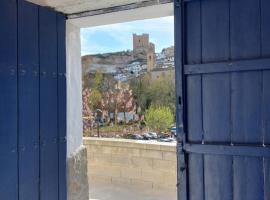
{"type": "Point", "coordinates": [160, 31]}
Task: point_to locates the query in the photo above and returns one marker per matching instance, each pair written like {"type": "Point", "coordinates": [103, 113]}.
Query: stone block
{"type": "Point", "coordinates": [169, 156]}
{"type": "Point", "coordinates": [120, 160]}
{"type": "Point", "coordinates": [121, 181]}
{"type": "Point", "coordinates": [111, 171]}
{"type": "Point", "coordinates": [132, 173]}
{"type": "Point", "coordinates": [152, 176]}
{"type": "Point", "coordinates": [141, 183]}
{"type": "Point", "coordinates": [151, 154]}
{"type": "Point", "coordinates": [100, 159]}
{"type": "Point", "coordinates": [165, 165]}
{"type": "Point", "coordinates": [143, 163]}
{"type": "Point", "coordinates": [77, 178]}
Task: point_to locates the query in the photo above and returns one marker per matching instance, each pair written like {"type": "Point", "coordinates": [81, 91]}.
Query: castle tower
{"type": "Point", "coordinates": [150, 61]}
{"type": "Point", "coordinates": [141, 45]}
{"type": "Point", "coordinates": [140, 42]}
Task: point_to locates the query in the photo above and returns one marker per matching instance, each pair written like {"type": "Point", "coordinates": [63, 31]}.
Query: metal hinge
{"type": "Point", "coordinates": [178, 3]}
{"type": "Point", "coordinates": [180, 100]}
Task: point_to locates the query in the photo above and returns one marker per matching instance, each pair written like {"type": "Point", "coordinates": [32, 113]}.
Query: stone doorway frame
{"type": "Point", "coordinates": [77, 179]}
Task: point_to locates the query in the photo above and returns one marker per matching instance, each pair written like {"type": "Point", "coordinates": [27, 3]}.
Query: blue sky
{"type": "Point", "coordinates": [118, 37]}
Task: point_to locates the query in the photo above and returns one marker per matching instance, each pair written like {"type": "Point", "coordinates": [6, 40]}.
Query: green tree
{"type": "Point", "coordinates": [140, 90]}
{"type": "Point", "coordinates": [96, 95]}
{"type": "Point", "coordinates": [98, 81]}
{"type": "Point", "coordinates": [159, 118]}
{"type": "Point", "coordinates": [161, 92]}
{"type": "Point", "coordinates": [94, 99]}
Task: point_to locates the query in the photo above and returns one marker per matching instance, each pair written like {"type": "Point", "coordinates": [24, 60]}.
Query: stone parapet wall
{"type": "Point", "coordinates": [78, 188]}
{"type": "Point", "coordinates": [146, 164]}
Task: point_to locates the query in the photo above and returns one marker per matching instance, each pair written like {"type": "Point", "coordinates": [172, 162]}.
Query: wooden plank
{"type": "Point", "coordinates": [28, 101]}
{"type": "Point", "coordinates": [218, 177]}
{"type": "Point", "coordinates": [228, 150]}
{"type": "Point", "coordinates": [193, 33]}
{"type": "Point", "coordinates": [246, 97]}
{"type": "Point", "coordinates": [196, 176]}
{"type": "Point", "coordinates": [248, 178]}
{"type": "Point", "coordinates": [245, 29]}
{"type": "Point", "coordinates": [229, 66]}
{"type": "Point", "coordinates": [265, 28]}
{"type": "Point", "coordinates": [8, 39]}
{"type": "Point", "coordinates": [194, 107]}
{"type": "Point", "coordinates": [48, 105]}
{"type": "Point", "coordinates": [193, 55]}
{"type": "Point", "coordinates": [8, 101]}
{"type": "Point", "coordinates": [216, 123]}
{"type": "Point", "coordinates": [216, 104]}
{"type": "Point", "coordinates": [179, 29]}
{"type": "Point", "coordinates": [246, 128]}
{"type": "Point", "coordinates": [216, 117]}
{"type": "Point", "coordinates": [215, 34]}
{"type": "Point", "coordinates": [266, 179]}
{"type": "Point", "coordinates": [62, 96]}
{"type": "Point", "coordinates": [266, 107]}
{"type": "Point", "coordinates": [246, 107]}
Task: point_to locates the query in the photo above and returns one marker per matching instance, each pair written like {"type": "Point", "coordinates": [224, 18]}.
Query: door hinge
{"type": "Point", "coordinates": [178, 3]}
{"type": "Point", "coordinates": [180, 100]}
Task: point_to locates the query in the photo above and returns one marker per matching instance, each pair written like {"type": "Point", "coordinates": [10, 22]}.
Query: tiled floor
{"type": "Point", "coordinates": [101, 191]}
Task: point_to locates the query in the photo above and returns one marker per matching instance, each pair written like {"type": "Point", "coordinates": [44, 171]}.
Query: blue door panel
{"type": "Point", "coordinates": [265, 28]}
{"type": "Point", "coordinates": [32, 103]}
{"type": "Point", "coordinates": [9, 176]}
{"type": "Point", "coordinates": [8, 101]}
{"type": "Point", "coordinates": [8, 39]}
{"type": "Point", "coordinates": [28, 83]}
{"type": "Point", "coordinates": [48, 105]}
{"type": "Point", "coordinates": [216, 115]}
{"type": "Point", "coordinates": [266, 107]}
{"type": "Point", "coordinates": [246, 110]}
{"type": "Point", "coordinates": [194, 108]}
{"type": "Point", "coordinates": [196, 183]}
{"type": "Point", "coordinates": [217, 177]}
{"type": "Point", "coordinates": [223, 152]}
{"type": "Point", "coordinates": [193, 54]}
{"type": "Point", "coordinates": [248, 178]}
{"type": "Point", "coordinates": [267, 179]}
{"type": "Point", "coordinates": [245, 29]}
{"type": "Point", "coordinates": [61, 27]}
{"type": "Point", "coordinates": [214, 33]}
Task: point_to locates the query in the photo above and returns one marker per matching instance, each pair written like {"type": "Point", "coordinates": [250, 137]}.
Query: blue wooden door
{"type": "Point", "coordinates": [32, 102]}
{"type": "Point", "coordinates": [223, 80]}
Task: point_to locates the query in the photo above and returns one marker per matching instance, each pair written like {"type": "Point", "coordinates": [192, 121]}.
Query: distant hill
{"type": "Point", "coordinates": [108, 62]}
{"type": "Point", "coordinates": [112, 62]}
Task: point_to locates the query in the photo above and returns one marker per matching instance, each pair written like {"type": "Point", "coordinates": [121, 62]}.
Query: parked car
{"type": "Point", "coordinates": [167, 140]}
{"type": "Point", "coordinates": [153, 135]}
{"type": "Point", "coordinates": [173, 131]}
{"type": "Point", "coordinates": [133, 136]}
{"type": "Point", "coordinates": [147, 136]}
{"type": "Point", "coordinates": [150, 136]}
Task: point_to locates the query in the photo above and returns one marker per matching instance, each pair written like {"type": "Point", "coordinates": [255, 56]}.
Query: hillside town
{"type": "Point", "coordinates": [126, 65]}
{"type": "Point", "coordinates": [119, 88]}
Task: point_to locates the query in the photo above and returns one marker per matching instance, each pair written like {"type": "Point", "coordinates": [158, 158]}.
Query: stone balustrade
{"type": "Point", "coordinates": [139, 164]}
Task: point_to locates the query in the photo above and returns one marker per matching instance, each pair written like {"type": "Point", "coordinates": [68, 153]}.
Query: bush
{"type": "Point", "coordinates": [159, 118]}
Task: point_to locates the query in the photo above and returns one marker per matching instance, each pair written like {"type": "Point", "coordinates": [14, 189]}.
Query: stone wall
{"type": "Point", "coordinates": [142, 164]}
{"type": "Point", "coordinates": [78, 188]}
{"type": "Point", "coordinates": [76, 154]}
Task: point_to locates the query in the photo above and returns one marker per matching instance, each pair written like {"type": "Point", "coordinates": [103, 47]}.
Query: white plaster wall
{"type": "Point", "coordinates": [76, 6]}
{"type": "Point", "coordinates": [74, 90]}
{"type": "Point", "coordinates": [156, 11]}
